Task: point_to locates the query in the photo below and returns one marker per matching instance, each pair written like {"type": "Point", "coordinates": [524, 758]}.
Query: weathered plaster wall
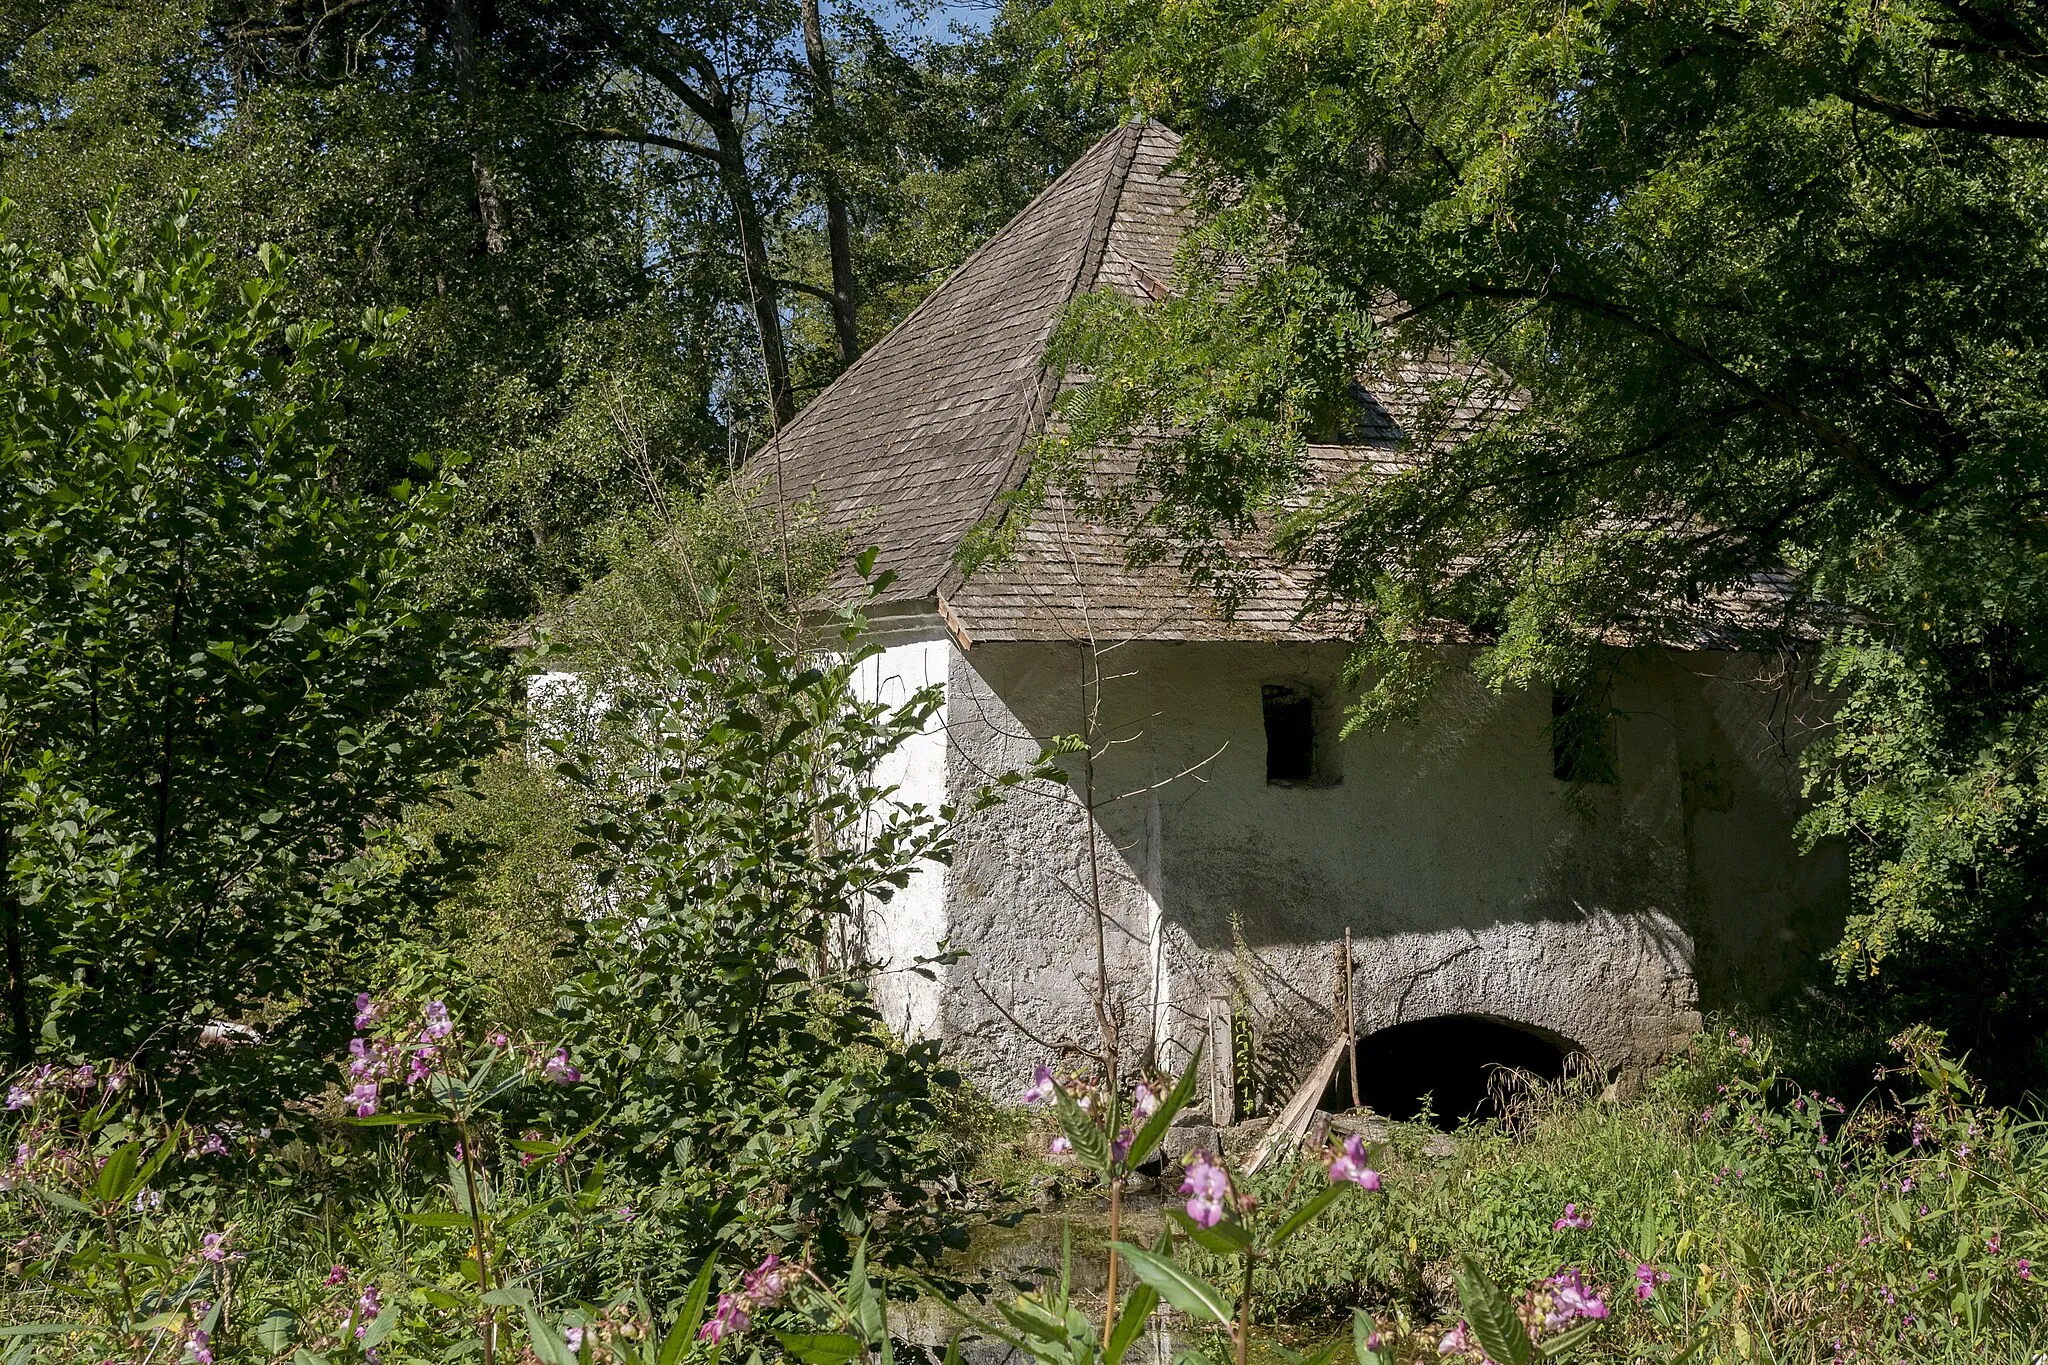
{"type": "Point", "coordinates": [1469, 879]}
{"type": "Point", "coordinates": [912, 923]}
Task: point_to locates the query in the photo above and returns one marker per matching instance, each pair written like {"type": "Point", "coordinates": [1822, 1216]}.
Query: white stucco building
{"type": "Point", "coordinates": [1497, 908]}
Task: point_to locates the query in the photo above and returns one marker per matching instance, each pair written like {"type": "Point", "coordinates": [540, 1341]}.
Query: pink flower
{"type": "Point", "coordinates": [422, 1066]}
{"type": "Point", "coordinates": [18, 1098]}
{"type": "Point", "coordinates": [572, 1337]}
{"type": "Point", "coordinates": [1571, 1297]}
{"type": "Point", "coordinates": [1457, 1342]}
{"type": "Point", "coordinates": [1144, 1104]}
{"type": "Point", "coordinates": [1648, 1277]}
{"type": "Point", "coordinates": [558, 1069]}
{"type": "Point", "coordinates": [1207, 1186]}
{"type": "Point", "coordinates": [2026, 1269]}
{"type": "Point", "coordinates": [213, 1146]}
{"type": "Point", "coordinates": [214, 1247]}
{"type": "Point", "coordinates": [1573, 1219]}
{"type": "Point", "coordinates": [766, 1283]}
{"type": "Point", "coordinates": [1042, 1086]}
{"type": "Point", "coordinates": [338, 1275]}
{"type": "Point", "coordinates": [368, 1305]}
{"type": "Point", "coordinates": [198, 1347]}
{"type": "Point", "coordinates": [367, 1010]}
{"type": "Point", "coordinates": [1349, 1166]}
{"type": "Point", "coordinates": [364, 1098]}
{"type": "Point", "coordinates": [1991, 1243]}
{"type": "Point", "coordinates": [1120, 1148]}
{"type": "Point", "coordinates": [1059, 1146]}
{"type": "Point", "coordinates": [499, 1040]}
{"type": "Point", "coordinates": [439, 1025]}
{"type": "Point", "coordinates": [730, 1319]}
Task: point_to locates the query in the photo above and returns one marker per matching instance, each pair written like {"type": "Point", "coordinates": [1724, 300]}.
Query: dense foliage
{"type": "Point", "coordinates": [224, 679]}
{"type": "Point", "coordinates": [560, 195]}
{"type": "Point", "coordinates": [1703, 291]}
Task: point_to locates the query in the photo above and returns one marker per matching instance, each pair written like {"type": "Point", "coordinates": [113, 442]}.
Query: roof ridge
{"type": "Point", "coordinates": [994, 240]}
{"type": "Point", "coordinates": [1108, 199]}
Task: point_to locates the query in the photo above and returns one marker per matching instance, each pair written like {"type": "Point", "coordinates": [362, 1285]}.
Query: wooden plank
{"type": "Point", "coordinates": [1288, 1130]}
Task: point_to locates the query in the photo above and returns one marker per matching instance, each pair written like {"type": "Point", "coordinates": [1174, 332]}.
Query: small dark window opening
{"type": "Point", "coordinates": [1290, 734]}
{"type": "Point", "coordinates": [1581, 740]}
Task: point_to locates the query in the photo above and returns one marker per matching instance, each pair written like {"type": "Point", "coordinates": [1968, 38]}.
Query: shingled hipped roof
{"type": "Point", "coordinates": [912, 447]}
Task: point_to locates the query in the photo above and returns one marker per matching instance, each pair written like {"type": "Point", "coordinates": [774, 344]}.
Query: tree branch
{"type": "Point", "coordinates": [642, 137]}
{"type": "Point", "coordinates": [1949, 117]}
{"type": "Point", "coordinates": [1829, 435]}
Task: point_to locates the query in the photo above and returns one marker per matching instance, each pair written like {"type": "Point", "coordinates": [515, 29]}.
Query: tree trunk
{"type": "Point", "coordinates": [838, 226]}
{"type": "Point", "coordinates": [490, 204]}
{"type": "Point", "coordinates": [760, 281]}
{"type": "Point", "coordinates": [16, 935]}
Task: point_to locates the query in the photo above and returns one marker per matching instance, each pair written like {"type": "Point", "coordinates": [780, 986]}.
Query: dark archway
{"type": "Point", "coordinates": [1446, 1060]}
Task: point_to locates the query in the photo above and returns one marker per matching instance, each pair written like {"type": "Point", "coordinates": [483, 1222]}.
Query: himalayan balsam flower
{"type": "Point", "coordinates": [499, 1040]}
{"type": "Point", "coordinates": [559, 1070]}
{"type": "Point", "coordinates": [572, 1337]}
{"type": "Point", "coordinates": [338, 1275]}
{"type": "Point", "coordinates": [1144, 1104]}
{"type": "Point", "coordinates": [766, 1283]}
{"type": "Point", "coordinates": [198, 1347]}
{"type": "Point", "coordinates": [1573, 1219]}
{"type": "Point", "coordinates": [18, 1098]}
{"type": "Point", "coordinates": [1059, 1146]}
{"type": "Point", "coordinates": [368, 1306]}
{"type": "Point", "coordinates": [213, 1146]}
{"type": "Point", "coordinates": [1207, 1185]}
{"type": "Point", "coordinates": [1349, 1166]}
{"type": "Point", "coordinates": [624, 1213]}
{"type": "Point", "coordinates": [1570, 1298]}
{"type": "Point", "coordinates": [148, 1201]}
{"type": "Point", "coordinates": [729, 1319]}
{"type": "Point", "coordinates": [1042, 1086]}
{"type": "Point", "coordinates": [1457, 1342]}
{"type": "Point", "coordinates": [2026, 1269]}
{"type": "Point", "coordinates": [214, 1247]}
{"type": "Point", "coordinates": [367, 1010]}
{"type": "Point", "coordinates": [363, 1095]}
{"type": "Point", "coordinates": [439, 1025]}
{"type": "Point", "coordinates": [1648, 1277]}
{"type": "Point", "coordinates": [1121, 1148]}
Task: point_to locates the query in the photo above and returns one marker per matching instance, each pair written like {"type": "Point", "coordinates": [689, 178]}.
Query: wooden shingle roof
{"type": "Point", "coordinates": [911, 448]}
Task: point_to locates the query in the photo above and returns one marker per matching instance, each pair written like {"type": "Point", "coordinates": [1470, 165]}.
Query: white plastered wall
{"type": "Point", "coordinates": [911, 924]}
{"type": "Point", "coordinates": [1471, 882]}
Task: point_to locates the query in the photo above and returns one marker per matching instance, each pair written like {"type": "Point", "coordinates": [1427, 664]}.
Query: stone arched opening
{"type": "Point", "coordinates": [1442, 1065]}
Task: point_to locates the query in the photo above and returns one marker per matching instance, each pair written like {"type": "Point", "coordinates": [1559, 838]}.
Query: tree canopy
{"type": "Point", "coordinates": [1743, 287]}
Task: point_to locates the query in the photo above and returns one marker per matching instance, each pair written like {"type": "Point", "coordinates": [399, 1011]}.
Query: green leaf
{"type": "Point", "coordinates": [438, 1218]}
{"type": "Point", "coordinates": [820, 1348]}
{"type": "Point", "coordinates": [1565, 1341]}
{"type": "Point", "coordinates": [1310, 1211]}
{"type": "Point", "coordinates": [1361, 1331]}
{"type": "Point", "coordinates": [1089, 1143]}
{"type": "Point", "coordinates": [42, 1329]}
{"type": "Point", "coordinates": [112, 1185]}
{"type": "Point", "coordinates": [692, 1317]}
{"type": "Point", "coordinates": [1189, 1293]}
{"type": "Point", "coordinates": [65, 1201]}
{"type": "Point", "coordinates": [546, 1342]}
{"type": "Point", "coordinates": [1492, 1316]}
{"type": "Point", "coordinates": [394, 1120]}
{"type": "Point", "coordinates": [380, 1327]}
{"type": "Point", "coordinates": [1130, 1324]}
{"type": "Point", "coordinates": [1227, 1238]}
{"type": "Point", "coordinates": [305, 1357]}
{"type": "Point", "coordinates": [1154, 1132]}
{"type": "Point", "coordinates": [276, 1330]}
